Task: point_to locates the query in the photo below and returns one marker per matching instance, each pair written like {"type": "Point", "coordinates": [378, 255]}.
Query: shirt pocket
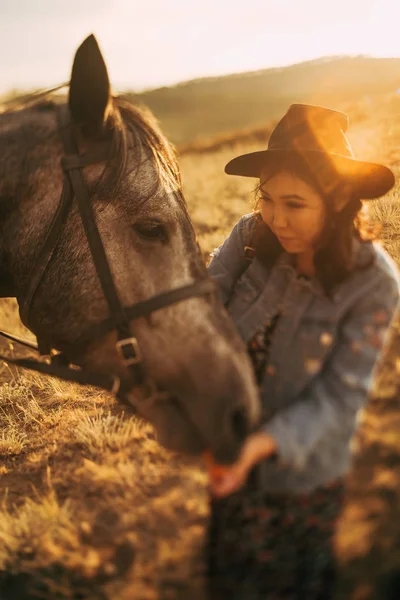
{"type": "Point", "coordinates": [245, 291]}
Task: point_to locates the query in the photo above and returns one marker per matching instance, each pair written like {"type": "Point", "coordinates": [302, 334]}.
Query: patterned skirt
{"type": "Point", "coordinates": [273, 547]}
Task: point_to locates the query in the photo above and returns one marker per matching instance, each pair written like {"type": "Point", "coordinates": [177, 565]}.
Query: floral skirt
{"type": "Point", "coordinates": [273, 547]}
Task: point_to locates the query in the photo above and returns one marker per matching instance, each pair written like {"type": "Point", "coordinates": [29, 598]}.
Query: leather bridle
{"type": "Point", "coordinates": [120, 317]}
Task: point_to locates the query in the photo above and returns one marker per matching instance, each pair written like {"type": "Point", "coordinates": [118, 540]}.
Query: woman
{"type": "Point", "coordinates": [313, 300]}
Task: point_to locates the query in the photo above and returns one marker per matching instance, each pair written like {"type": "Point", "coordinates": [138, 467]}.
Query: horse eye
{"type": "Point", "coordinates": [151, 231]}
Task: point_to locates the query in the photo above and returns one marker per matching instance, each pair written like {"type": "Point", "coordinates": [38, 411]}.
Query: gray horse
{"type": "Point", "coordinates": [190, 349]}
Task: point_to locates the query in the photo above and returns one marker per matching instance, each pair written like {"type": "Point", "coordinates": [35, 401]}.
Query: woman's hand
{"type": "Point", "coordinates": [226, 481]}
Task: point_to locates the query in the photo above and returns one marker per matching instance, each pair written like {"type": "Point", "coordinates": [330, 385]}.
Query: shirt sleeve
{"type": "Point", "coordinates": [229, 260]}
{"type": "Point", "coordinates": [328, 406]}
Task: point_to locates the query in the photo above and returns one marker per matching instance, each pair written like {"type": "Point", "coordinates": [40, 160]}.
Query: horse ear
{"type": "Point", "coordinates": [89, 88]}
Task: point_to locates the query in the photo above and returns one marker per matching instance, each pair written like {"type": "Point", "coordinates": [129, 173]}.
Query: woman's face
{"type": "Point", "coordinates": [293, 210]}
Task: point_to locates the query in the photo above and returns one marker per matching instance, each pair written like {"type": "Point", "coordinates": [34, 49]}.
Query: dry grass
{"type": "Point", "coordinates": [90, 502]}
{"type": "Point", "coordinates": [86, 495]}
{"type": "Point", "coordinates": [12, 441]}
{"type": "Point", "coordinates": [92, 507]}
{"type": "Point", "coordinates": [387, 214]}
{"type": "Point", "coordinates": [105, 431]}
{"type": "Point", "coordinates": [216, 200]}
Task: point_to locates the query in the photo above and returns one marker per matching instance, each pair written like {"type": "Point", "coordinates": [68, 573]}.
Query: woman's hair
{"type": "Point", "coordinates": [334, 253]}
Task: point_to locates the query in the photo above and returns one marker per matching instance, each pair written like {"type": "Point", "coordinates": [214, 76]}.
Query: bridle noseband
{"type": "Point", "coordinates": [74, 188]}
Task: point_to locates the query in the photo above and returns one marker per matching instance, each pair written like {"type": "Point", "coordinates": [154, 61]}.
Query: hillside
{"type": "Point", "coordinates": [201, 111]}
{"type": "Point", "coordinates": [204, 108]}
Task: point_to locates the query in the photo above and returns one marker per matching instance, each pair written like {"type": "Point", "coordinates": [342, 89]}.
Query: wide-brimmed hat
{"type": "Point", "coordinates": [317, 135]}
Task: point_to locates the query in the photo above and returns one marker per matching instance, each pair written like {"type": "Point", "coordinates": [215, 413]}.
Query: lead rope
{"type": "Point", "coordinates": [15, 104]}
{"type": "Point", "coordinates": [59, 368]}
{"type": "Point", "coordinates": [19, 340]}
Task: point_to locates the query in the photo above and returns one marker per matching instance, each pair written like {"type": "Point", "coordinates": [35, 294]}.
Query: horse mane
{"type": "Point", "coordinates": [140, 121]}
{"type": "Point", "coordinates": [126, 126]}
{"type": "Point", "coordinates": [123, 118]}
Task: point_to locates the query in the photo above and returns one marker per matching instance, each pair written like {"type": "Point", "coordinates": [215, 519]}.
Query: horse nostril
{"type": "Point", "coordinates": [240, 424]}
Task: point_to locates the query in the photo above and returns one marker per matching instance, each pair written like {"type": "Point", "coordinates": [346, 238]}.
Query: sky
{"type": "Point", "coordinates": [150, 43]}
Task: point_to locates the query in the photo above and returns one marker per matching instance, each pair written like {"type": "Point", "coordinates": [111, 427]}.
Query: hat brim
{"type": "Point", "coordinates": [369, 180]}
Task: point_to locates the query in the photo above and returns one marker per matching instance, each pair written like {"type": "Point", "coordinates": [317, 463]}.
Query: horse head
{"type": "Point", "coordinates": [205, 397]}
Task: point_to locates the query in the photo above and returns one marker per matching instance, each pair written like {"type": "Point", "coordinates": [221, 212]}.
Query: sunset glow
{"type": "Point", "coordinates": [153, 43]}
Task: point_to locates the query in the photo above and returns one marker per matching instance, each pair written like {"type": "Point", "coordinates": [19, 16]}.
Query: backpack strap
{"type": "Point", "coordinates": [250, 249]}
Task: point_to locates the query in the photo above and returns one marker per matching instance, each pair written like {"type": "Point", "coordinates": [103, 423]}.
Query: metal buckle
{"type": "Point", "coordinates": [132, 343]}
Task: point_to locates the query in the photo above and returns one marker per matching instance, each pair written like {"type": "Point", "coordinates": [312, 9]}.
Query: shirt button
{"type": "Point", "coordinates": [312, 365]}
{"type": "Point", "coordinates": [326, 339]}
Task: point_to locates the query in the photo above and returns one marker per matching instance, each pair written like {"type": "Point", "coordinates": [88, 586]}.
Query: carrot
{"type": "Point", "coordinates": [215, 470]}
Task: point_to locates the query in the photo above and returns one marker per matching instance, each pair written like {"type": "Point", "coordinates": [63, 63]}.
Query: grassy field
{"type": "Point", "coordinates": [92, 508]}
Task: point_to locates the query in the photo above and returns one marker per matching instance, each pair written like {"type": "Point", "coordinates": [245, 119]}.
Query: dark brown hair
{"type": "Point", "coordinates": [334, 253]}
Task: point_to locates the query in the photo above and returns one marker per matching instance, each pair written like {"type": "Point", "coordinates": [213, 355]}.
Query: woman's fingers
{"type": "Point", "coordinates": [226, 480]}
{"type": "Point", "coordinates": [229, 483]}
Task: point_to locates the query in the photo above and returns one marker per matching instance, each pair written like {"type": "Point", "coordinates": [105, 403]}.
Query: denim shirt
{"type": "Point", "coordinates": [321, 356]}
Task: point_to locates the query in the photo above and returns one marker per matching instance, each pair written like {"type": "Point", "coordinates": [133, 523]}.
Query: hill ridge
{"type": "Point", "coordinates": [208, 107]}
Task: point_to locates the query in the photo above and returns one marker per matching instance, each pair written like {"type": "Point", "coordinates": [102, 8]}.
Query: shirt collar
{"type": "Point", "coordinates": [363, 254]}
